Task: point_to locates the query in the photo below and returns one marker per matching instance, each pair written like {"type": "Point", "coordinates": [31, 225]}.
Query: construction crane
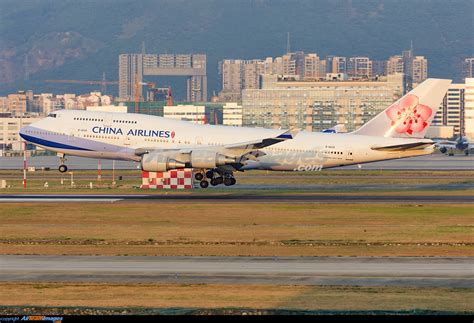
{"type": "Point", "coordinates": [103, 84]}
{"type": "Point", "coordinates": [82, 82]}
{"type": "Point", "coordinates": [136, 95]}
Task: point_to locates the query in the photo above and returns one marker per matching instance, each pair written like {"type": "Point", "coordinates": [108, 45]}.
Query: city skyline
{"type": "Point", "coordinates": [466, 63]}
{"type": "Point", "coordinates": [375, 65]}
{"type": "Point", "coordinates": [83, 42]}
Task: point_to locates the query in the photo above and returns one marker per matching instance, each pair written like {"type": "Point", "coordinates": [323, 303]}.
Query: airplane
{"type": "Point", "coordinates": [449, 147]}
{"type": "Point", "coordinates": [215, 152]}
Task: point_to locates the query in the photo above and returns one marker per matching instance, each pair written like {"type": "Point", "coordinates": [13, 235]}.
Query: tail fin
{"type": "Point", "coordinates": [411, 115]}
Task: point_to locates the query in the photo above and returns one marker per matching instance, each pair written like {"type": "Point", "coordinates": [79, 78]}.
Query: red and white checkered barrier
{"type": "Point", "coordinates": [175, 179]}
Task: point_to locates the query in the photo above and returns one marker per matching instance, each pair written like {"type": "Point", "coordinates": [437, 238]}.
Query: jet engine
{"type": "Point", "coordinates": [160, 162]}
{"type": "Point", "coordinates": [209, 159]}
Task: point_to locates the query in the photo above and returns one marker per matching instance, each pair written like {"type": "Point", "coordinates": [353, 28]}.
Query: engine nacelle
{"type": "Point", "coordinates": [209, 159]}
{"type": "Point", "coordinates": [160, 162]}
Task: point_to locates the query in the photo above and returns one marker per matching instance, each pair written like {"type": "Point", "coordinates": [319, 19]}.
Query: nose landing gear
{"type": "Point", "coordinates": [62, 168]}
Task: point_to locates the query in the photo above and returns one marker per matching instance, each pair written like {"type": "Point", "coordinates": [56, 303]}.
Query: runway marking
{"type": "Point", "coordinates": [406, 271]}
{"type": "Point", "coordinates": [243, 198]}
{"type": "Point", "coordinates": [56, 200]}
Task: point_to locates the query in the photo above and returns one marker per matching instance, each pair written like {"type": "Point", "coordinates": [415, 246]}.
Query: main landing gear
{"type": "Point", "coordinates": [62, 168]}
{"type": "Point", "coordinates": [214, 177]}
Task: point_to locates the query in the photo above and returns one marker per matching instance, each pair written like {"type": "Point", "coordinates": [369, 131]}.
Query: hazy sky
{"type": "Point", "coordinates": [440, 30]}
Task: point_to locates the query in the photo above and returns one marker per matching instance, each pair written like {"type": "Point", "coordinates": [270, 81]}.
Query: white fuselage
{"type": "Point", "coordinates": [119, 136]}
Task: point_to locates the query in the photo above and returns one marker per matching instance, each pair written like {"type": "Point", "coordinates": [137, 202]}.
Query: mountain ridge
{"type": "Point", "coordinates": [245, 29]}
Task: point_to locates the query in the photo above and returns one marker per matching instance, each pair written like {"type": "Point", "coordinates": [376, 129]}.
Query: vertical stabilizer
{"type": "Point", "coordinates": [411, 115]}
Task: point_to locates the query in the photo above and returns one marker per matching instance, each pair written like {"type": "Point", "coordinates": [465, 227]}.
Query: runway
{"type": "Point", "coordinates": [237, 198]}
{"type": "Point", "coordinates": [435, 161]}
{"type": "Point", "coordinates": [406, 271]}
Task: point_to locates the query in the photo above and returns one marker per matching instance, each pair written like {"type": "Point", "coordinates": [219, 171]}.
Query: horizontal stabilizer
{"type": "Point", "coordinates": [402, 147]}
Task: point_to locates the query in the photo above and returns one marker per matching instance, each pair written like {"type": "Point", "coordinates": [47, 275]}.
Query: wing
{"type": "Point", "coordinates": [251, 150]}
{"type": "Point", "coordinates": [234, 155]}
{"type": "Point", "coordinates": [259, 144]}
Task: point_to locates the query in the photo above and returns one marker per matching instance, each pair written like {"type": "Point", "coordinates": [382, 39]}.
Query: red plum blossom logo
{"type": "Point", "coordinates": [408, 115]}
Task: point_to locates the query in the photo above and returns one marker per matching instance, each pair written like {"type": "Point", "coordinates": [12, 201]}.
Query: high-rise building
{"type": "Point", "coordinates": [318, 105]}
{"type": "Point", "coordinates": [451, 110]}
{"type": "Point", "coordinates": [274, 65]}
{"type": "Point", "coordinates": [288, 64]}
{"type": "Point", "coordinates": [336, 64]}
{"type": "Point", "coordinates": [271, 66]}
{"type": "Point", "coordinates": [322, 68]}
{"type": "Point", "coordinates": [468, 68]}
{"type": "Point", "coordinates": [469, 109]}
{"type": "Point", "coordinates": [192, 113]}
{"type": "Point", "coordinates": [237, 75]}
{"type": "Point", "coordinates": [379, 68]}
{"type": "Point", "coordinates": [359, 67]}
{"type": "Point", "coordinates": [394, 65]}
{"type": "Point", "coordinates": [232, 114]}
{"type": "Point", "coordinates": [419, 71]}
{"type": "Point", "coordinates": [311, 66]}
{"type": "Point", "coordinates": [457, 109]}
{"type": "Point", "coordinates": [415, 68]}
{"type": "Point", "coordinates": [231, 73]}
{"type": "Point", "coordinates": [17, 103]}
{"type": "Point", "coordinates": [130, 72]}
{"type": "Point", "coordinates": [241, 74]}
{"type": "Point", "coordinates": [252, 69]}
{"type": "Point", "coordinates": [10, 130]}
{"type": "Point", "coordinates": [3, 104]}
{"type": "Point", "coordinates": [132, 68]}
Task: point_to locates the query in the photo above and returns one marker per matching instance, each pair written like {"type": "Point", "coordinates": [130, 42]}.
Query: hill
{"type": "Point", "coordinates": [68, 39]}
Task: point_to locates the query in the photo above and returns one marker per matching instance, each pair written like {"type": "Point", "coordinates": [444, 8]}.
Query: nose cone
{"type": "Point", "coordinates": [24, 132]}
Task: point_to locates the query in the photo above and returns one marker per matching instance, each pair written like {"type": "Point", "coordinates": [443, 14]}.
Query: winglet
{"type": "Point", "coordinates": [289, 134]}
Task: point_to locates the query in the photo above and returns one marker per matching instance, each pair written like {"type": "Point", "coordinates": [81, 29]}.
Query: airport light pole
{"type": "Point", "coordinates": [113, 172]}
{"type": "Point", "coordinates": [99, 171]}
{"type": "Point", "coordinates": [24, 164]}
{"type": "Point", "coordinates": [72, 179]}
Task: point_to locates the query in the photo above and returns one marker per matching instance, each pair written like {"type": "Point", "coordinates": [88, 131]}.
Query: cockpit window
{"type": "Point", "coordinates": [52, 115]}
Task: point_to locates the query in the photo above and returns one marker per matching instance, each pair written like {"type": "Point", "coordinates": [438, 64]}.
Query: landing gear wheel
{"type": "Point", "coordinates": [216, 181]}
{"type": "Point", "coordinates": [210, 174]}
{"type": "Point", "coordinates": [62, 168]}
{"type": "Point", "coordinates": [204, 184]}
{"type": "Point", "coordinates": [229, 181]}
{"type": "Point", "coordinates": [199, 176]}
